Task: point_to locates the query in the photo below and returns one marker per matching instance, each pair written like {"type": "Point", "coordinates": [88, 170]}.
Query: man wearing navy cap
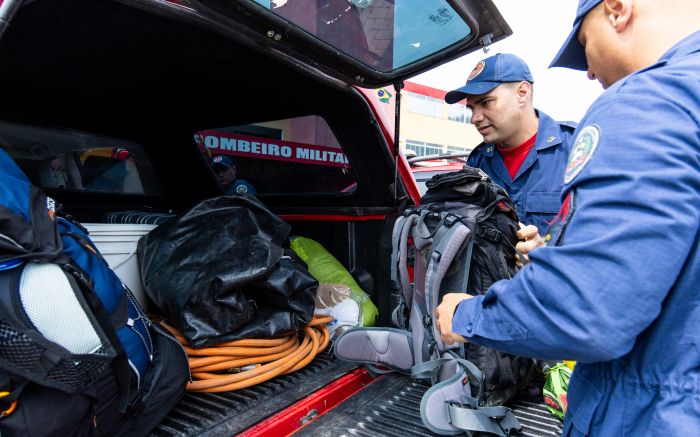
{"type": "Point", "coordinates": [616, 288]}
{"type": "Point", "coordinates": [225, 170]}
{"type": "Point", "coordinates": [524, 150]}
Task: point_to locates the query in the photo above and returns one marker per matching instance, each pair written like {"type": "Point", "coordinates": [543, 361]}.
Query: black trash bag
{"type": "Point", "coordinates": [285, 300]}
{"type": "Point", "coordinates": [199, 269]}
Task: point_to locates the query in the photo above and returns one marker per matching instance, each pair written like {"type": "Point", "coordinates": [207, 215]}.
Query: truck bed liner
{"type": "Point", "coordinates": [228, 413]}
{"type": "Point", "coordinates": [390, 406]}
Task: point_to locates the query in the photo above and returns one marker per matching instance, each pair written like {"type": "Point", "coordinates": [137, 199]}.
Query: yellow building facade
{"type": "Point", "coordinates": [429, 126]}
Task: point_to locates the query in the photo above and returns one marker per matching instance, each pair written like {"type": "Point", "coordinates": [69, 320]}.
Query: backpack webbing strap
{"type": "Point", "coordinates": [448, 241]}
{"type": "Point", "coordinates": [399, 271]}
{"type": "Point", "coordinates": [461, 410]}
{"type": "Point", "coordinates": [429, 369]}
{"type": "Point", "coordinates": [496, 421]}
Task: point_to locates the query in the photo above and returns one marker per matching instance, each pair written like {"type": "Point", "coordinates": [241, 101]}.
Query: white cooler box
{"type": "Point", "coordinates": [117, 243]}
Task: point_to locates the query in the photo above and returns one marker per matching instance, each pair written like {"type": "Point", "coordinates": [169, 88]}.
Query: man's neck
{"type": "Point", "coordinates": [652, 44]}
{"type": "Point", "coordinates": [527, 130]}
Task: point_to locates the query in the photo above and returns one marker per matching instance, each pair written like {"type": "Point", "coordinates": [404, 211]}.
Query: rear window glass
{"type": "Point", "coordinates": [299, 155]}
{"type": "Point", "coordinates": [65, 159]}
{"type": "Point", "coordinates": [383, 34]}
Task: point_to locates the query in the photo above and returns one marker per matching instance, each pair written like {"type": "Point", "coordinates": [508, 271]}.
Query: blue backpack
{"type": "Point", "coordinates": [70, 331]}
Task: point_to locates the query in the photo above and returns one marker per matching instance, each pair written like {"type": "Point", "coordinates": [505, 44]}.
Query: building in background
{"type": "Point", "coordinates": [429, 126]}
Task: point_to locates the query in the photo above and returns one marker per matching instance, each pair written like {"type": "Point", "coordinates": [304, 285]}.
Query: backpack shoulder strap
{"type": "Point", "coordinates": [451, 235]}
{"type": "Point", "coordinates": [399, 271]}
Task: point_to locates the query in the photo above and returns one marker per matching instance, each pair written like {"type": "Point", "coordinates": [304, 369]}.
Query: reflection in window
{"type": "Point", "coordinates": [294, 155]}
{"type": "Point", "coordinates": [383, 34]}
{"type": "Point", "coordinates": [109, 169]}
{"type": "Point", "coordinates": [423, 149]}
{"type": "Point", "coordinates": [459, 113]}
{"type": "Point", "coordinates": [425, 105]}
{"type": "Point", "coordinates": [63, 159]}
{"type": "Point", "coordinates": [457, 149]}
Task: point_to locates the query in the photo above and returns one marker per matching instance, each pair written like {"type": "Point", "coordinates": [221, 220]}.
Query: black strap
{"type": "Point", "coordinates": [120, 365]}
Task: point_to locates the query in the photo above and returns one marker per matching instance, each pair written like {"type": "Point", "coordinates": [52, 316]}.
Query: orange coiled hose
{"type": "Point", "coordinates": [271, 357]}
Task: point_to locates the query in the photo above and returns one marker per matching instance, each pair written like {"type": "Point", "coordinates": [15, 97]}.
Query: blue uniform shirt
{"type": "Point", "coordinates": [619, 288]}
{"type": "Point", "coordinates": [241, 186]}
{"type": "Point", "coordinates": [536, 189]}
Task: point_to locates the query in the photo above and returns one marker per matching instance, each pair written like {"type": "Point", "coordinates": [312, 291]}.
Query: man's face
{"type": "Point", "coordinates": [605, 55]}
{"type": "Point", "coordinates": [496, 114]}
{"type": "Point", "coordinates": [225, 175]}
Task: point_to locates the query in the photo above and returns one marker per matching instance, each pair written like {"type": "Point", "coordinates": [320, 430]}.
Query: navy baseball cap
{"type": "Point", "coordinates": [489, 73]}
{"type": "Point", "coordinates": [223, 161]}
{"type": "Point", "coordinates": [572, 54]}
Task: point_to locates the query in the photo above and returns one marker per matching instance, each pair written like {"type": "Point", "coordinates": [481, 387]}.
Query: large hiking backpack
{"type": "Point", "coordinates": [463, 239]}
{"type": "Point", "coordinates": [77, 354]}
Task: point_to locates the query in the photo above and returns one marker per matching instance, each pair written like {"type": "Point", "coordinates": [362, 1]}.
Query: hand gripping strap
{"type": "Point", "coordinates": [388, 347]}
{"type": "Point", "coordinates": [448, 408]}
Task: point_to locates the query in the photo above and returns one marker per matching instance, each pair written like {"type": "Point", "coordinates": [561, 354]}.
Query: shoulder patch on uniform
{"type": "Point", "coordinates": [241, 189]}
{"type": "Point", "coordinates": [584, 147]}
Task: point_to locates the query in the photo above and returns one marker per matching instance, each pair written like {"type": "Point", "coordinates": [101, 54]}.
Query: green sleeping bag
{"type": "Point", "coordinates": [327, 270]}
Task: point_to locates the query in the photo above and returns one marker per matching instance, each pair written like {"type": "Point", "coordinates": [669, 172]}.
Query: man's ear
{"type": "Point", "coordinates": [618, 13]}
{"type": "Point", "coordinates": [524, 91]}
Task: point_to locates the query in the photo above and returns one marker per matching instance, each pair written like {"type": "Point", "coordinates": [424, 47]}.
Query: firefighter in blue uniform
{"type": "Point", "coordinates": [524, 150]}
{"type": "Point", "coordinates": [225, 170]}
{"type": "Point", "coordinates": [616, 287]}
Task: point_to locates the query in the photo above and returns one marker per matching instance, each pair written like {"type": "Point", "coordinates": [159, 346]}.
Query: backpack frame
{"type": "Point", "coordinates": [463, 237]}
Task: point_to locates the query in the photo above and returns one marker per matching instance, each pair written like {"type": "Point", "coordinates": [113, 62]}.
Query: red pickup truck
{"type": "Point", "coordinates": [148, 91]}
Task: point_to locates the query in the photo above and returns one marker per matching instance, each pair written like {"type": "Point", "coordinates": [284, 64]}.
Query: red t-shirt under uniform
{"type": "Point", "coordinates": [513, 158]}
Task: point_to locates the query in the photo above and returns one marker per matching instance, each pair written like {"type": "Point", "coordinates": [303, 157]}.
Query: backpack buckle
{"type": "Point", "coordinates": [432, 347]}
{"type": "Point", "coordinates": [490, 234]}
{"type": "Point", "coordinates": [450, 220]}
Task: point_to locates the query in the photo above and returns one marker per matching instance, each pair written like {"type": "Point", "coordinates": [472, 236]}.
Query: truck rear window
{"type": "Point", "coordinates": [298, 155]}
{"type": "Point", "coordinates": [64, 159]}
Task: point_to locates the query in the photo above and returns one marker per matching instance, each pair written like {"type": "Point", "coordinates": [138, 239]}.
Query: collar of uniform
{"type": "Point", "coordinates": [548, 132]}
{"type": "Point", "coordinates": [547, 136]}
{"type": "Point", "coordinates": [486, 149]}
{"type": "Point", "coordinates": [686, 46]}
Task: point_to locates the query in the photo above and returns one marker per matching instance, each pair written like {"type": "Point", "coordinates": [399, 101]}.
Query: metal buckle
{"type": "Point", "coordinates": [450, 220]}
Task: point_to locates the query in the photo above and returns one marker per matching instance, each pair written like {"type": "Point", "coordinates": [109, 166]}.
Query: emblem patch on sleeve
{"type": "Point", "coordinates": [241, 189]}
{"type": "Point", "coordinates": [584, 146]}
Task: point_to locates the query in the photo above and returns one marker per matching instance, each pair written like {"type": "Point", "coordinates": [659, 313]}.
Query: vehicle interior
{"type": "Point", "coordinates": [76, 82]}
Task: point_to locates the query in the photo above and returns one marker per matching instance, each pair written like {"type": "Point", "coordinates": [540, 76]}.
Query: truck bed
{"type": "Point", "coordinates": [390, 406]}
{"type": "Point", "coordinates": [229, 413]}
{"type": "Point", "coordinates": [387, 406]}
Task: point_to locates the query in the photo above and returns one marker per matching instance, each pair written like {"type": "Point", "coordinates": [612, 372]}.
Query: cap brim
{"type": "Point", "coordinates": [572, 54]}
{"type": "Point", "coordinates": [218, 164]}
{"type": "Point", "coordinates": [470, 89]}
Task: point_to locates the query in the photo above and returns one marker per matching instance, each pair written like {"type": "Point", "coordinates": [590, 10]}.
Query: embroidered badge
{"type": "Point", "coordinates": [584, 146]}
{"type": "Point", "coordinates": [218, 159]}
{"type": "Point", "coordinates": [477, 70]}
{"type": "Point", "coordinates": [241, 189]}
